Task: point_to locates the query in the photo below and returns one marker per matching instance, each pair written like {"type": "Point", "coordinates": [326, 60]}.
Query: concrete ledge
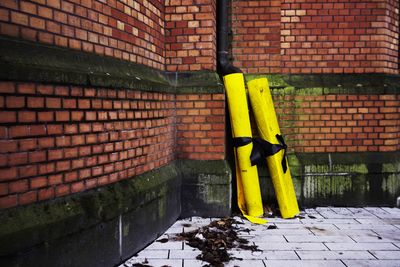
{"type": "Point", "coordinates": [323, 84]}
{"type": "Point", "coordinates": [114, 221]}
{"type": "Point", "coordinates": [25, 61]}
{"type": "Point", "coordinates": [341, 179]}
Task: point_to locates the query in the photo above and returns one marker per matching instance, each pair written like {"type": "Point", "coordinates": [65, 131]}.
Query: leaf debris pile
{"type": "Point", "coordinates": [215, 239]}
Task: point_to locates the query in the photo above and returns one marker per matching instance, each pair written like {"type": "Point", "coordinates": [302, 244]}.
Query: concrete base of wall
{"type": "Point", "coordinates": [206, 188]}
{"type": "Point", "coordinates": [105, 226]}
{"type": "Point", "coordinates": [341, 179]}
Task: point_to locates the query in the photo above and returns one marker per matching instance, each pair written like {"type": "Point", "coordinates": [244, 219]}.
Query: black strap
{"type": "Point", "coordinates": [263, 149]}
{"type": "Point", "coordinates": [241, 141]}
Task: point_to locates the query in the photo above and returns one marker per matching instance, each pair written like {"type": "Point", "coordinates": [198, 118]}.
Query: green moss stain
{"type": "Point", "coordinates": [391, 184]}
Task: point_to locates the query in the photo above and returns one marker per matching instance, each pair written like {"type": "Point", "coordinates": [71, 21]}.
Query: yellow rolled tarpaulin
{"type": "Point", "coordinates": [268, 128]}
{"type": "Point", "coordinates": [249, 194]}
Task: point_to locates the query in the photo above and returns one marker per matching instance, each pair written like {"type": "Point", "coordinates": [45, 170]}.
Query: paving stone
{"type": "Point", "coordinates": [184, 254]}
{"type": "Point", "coordinates": [361, 246]}
{"type": "Point", "coordinates": [168, 245]}
{"type": "Point", "coordinates": [335, 255]}
{"type": "Point", "coordinates": [375, 238]}
{"type": "Point", "coordinates": [395, 211]}
{"type": "Point", "coordinates": [245, 263]}
{"type": "Point", "coordinates": [322, 232]}
{"type": "Point", "coordinates": [280, 220]}
{"type": "Point", "coordinates": [248, 255]}
{"type": "Point", "coordinates": [194, 263]}
{"type": "Point", "coordinates": [374, 221]}
{"type": "Point", "coordinates": [319, 239]}
{"type": "Point", "coordinates": [329, 221]}
{"type": "Point", "coordinates": [382, 227]}
{"type": "Point", "coordinates": [371, 263]}
{"type": "Point", "coordinates": [270, 232]}
{"type": "Point", "coordinates": [311, 211]}
{"type": "Point", "coordinates": [152, 254]}
{"type": "Point", "coordinates": [153, 262]}
{"type": "Point", "coordinates": [290, 246]}
{"type": "Point", "coordinates": [174, 230]}
{"type": "Point", "coordinates": [321, 209]}
{"type": "Point", "coordinates": [305, 226]}
{"type": "Point", "coordinates": [281, 255]}
{"type": "Point", "coordinates": [303, 263]}
{"type": "Point", "coordinates": [339, 210]}
{"type": "Point", "coordinates": [265, 254]}
{"type": "Point", "coordinates": [266, 238]}
{"type": "Point", "coordinates": [382, 213]}
{"type": "Point", "coordinates": [360, 212]}
{"type": "Point", "coordinates": [387, 255]}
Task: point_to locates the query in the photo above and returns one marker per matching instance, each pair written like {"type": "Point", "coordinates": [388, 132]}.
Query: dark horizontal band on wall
{"type": "Point", "coordinates": [26, 61]}
{"type": "Point", "coordinates": [350, 158]}
{"type": "Point", "coordinates": [31, 225]}
{"type": "Point", "coordinates": [323, 84]}
{"type": "Point", "coordinates": [76, 229]}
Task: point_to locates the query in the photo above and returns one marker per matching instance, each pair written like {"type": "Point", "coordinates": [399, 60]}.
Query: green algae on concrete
{"type": "Point", "coordinates": [39, 227]}
{"type": "Point", "coordinates": [324, 84]}
{"type": "Point", "coordinates": [26, 61]}
{"type": "Point", "coordinates": [340, 179]}
{"type": "Point", "coordinates": [206, 188]}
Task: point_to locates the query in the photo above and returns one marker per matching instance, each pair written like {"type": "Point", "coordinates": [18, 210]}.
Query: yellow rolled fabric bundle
{"type": "Point", "coordinates": [249, 194]}
{"type": "Point", "coordinates": [268, 128]}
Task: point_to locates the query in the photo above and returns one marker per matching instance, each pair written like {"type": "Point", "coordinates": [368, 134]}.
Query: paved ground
{"type": "Point", "coordinates": [324, 237]}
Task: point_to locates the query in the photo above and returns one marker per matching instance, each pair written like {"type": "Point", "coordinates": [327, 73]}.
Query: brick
{"type": "Point", "coordinates": [26, 116]}
{"type": "Point", "coordinates": [15, 102]}
{"type": "Point", "coordinates": [27, 198]}
{"type": "Point", "coordinates": [46, 193]}
{"type": "Point", "coordinates": [18, 131]}
{"type": "Point", "coordinates": [8, 117]}
{"type": "Point", "coordinates": [62, 115]}
{"type": "Point", "coordinates": [27, 171]}
{"type": "Point", "coordinates": [78, 187]}
{"type": "Point", "coordinates": [52, 102]}
{"type": "Point", "coordinates": [35, 102]}
{"type": "Point", "coordinates": [18, 186]}
{"type": "Point", "coordinates": [3, 189]}
{"type": "Point", "coordinates": [7, 87]}
{"type": "Point", "coordinates": [17, 158]}
{"type": "Point", "coordinates": [45, 116]}
{"type": "Point", "coordinates": [8, 201]}
{"type": "Point", "coordinates": [36, 130]}
{"type": "Point", "coordinates": [38, 182]}
{"type": "Point", "coordinates": [62, 190]}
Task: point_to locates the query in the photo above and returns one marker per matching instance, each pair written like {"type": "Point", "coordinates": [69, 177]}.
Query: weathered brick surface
{"type": "Point", "coordinates": [129, 30]}
{"type": "Point", "coordinates": [190, 35]}
{"type": "Point", "coordinates": [337, 37]}
{"type": "Point", "coordinates": [256, 37]}
{"type": "Point", "coordinates": [201, 126]}
{"type": "Point", "coordinates": [60, 140]}
{"type": "Point", "coordinates": [289, 36]}
{"type": "Point", "coordinates": [340, 123]}
{"type": "Point", "coordinates": [52, 146]}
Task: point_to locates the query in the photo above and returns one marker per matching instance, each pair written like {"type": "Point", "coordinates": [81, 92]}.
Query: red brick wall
{"type": "Point", "coordinates": [190, 35]}
{"type": "Point", "coordinates": [316, 36]}
{"type": "Point", "coordinates": [201, 126]}
{"type": "Point", "coordinates": [340, 123]}
{"type": "Point", "coordinates": [256, 30]}
{"type": "Point", "coordinates": [129, 30]}
{"type": "Point", "coordinates": [58, 140]}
